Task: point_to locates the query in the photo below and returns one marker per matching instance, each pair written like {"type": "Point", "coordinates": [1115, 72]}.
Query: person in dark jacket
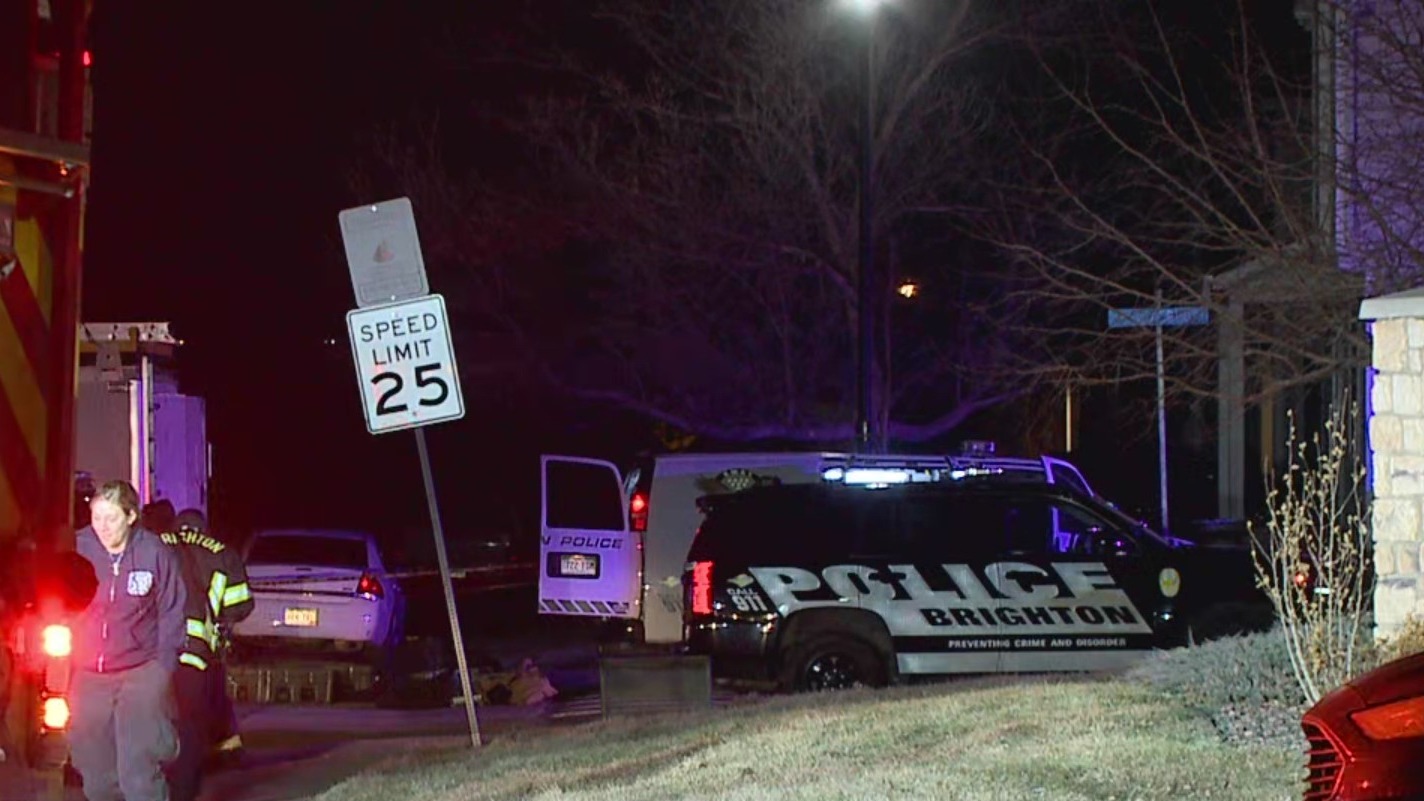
{"type": "Point", "coordinates": [218, 597]}
{"type": "Point", "coordinates": [126, 648]}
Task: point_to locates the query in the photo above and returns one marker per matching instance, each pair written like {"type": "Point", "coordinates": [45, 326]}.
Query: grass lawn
{"type": "Point", "coordinates": [1032, 740]}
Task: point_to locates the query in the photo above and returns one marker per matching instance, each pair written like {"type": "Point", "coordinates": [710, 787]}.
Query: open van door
{"type": "Point", "coordinates": [589, 562]}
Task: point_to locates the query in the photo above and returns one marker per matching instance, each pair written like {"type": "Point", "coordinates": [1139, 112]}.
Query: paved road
{"type": "Point", "coordinates": [299, 752]}
{"type": "Point", "coordinates": [296, 752]}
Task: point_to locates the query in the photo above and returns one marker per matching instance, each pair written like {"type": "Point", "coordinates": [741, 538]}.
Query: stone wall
{"type": "Point", "coordinates": [1397, 438]}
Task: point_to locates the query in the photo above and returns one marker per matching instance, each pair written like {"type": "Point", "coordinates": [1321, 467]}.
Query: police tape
{"type": "Point", "coordinates": [456, 574]}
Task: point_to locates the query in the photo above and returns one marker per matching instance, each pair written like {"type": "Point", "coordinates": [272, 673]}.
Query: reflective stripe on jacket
{"type": "Point", "coordinates": [218, 593]}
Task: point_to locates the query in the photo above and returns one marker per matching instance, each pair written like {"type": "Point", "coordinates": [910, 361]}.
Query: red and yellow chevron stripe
{"type": "Point", "coordinates": [26, 305]}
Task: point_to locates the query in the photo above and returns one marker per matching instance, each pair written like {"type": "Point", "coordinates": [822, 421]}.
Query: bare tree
{"type": "Point", "coordinates": [1378, 76]}
{"type": "Point", "coordinates": [1188, 165]}
{"type": "Point", "coordinates": [682, 242]}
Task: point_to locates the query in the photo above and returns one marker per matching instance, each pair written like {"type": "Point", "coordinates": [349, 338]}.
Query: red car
{"type": "Point", "coordinates": [1367, 738]}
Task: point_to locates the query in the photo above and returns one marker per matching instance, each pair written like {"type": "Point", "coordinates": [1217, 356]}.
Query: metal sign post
{"type": "Point", "coordinates": [455, 635]}
{"type": "Point", "coordinates": [1159, 317]}
{"type": "Point", "coordinates": [405, 363]}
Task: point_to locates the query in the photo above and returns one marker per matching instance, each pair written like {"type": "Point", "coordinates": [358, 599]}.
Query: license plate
{"type": "Point", "coordinates": [299, 617]}
{"type": "Point", "coordinates": [577, 564]}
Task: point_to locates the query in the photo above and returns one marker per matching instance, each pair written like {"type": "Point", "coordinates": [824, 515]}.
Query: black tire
{"type": "Point", "coordinates": [834, 662]}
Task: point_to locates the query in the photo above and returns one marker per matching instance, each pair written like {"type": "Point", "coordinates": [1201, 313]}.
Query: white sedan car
{"type": "Point", "coordinates": [319, 590]}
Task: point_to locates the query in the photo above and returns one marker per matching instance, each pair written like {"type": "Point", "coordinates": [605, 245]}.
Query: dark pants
{"type": "Point", "coordinates": [226, 714]}
{"type": "Point", "coordinates": [122, 733]}
{"type": "Point", "coordinates": [198, 725]}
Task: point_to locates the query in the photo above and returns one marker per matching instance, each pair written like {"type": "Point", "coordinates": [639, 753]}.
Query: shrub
{"type": "Point", "coordinates": [1248, 669]}
{"type": "Point", "coordinates": [1245, 684]}
{"type": "Point", "coordinates": [1409, 640]}
{"type": "Point", "coordinates": [1314, 557]}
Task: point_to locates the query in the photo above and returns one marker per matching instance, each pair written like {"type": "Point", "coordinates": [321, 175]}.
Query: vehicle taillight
{"type": "Point", "coordinates": [701, 588]}
{"type": "Point", "coordinates": [638, 511]}
{"type": "Point", "coordinates": [54, 714]}
{"type": "Point", "coordinates": [1392, 721]}
{"type": "Point", "coordinates": [57, 641]}
{"type": "Point", "coordinates": [370, 585]}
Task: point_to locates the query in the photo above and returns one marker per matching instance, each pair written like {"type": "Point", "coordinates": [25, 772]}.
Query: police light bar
{"type": "Point", "coordinates": [959, 474]}
{"type": "Point", "coordinates": [877, 476]}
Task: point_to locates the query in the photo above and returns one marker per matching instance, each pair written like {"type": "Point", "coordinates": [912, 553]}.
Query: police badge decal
{"type": "Point", "coordinates": [140, 582]}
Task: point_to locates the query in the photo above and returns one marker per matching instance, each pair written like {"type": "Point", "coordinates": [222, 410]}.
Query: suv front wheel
{"type": "Point", "coordinates": [833, 662]}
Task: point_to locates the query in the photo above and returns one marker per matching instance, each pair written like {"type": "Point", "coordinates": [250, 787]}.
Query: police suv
{"type": "Point", "coordinates": [878, 574]}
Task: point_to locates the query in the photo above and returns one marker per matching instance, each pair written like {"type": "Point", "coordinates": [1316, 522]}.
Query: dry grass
{"type": "Point", "coordinates": [1035, 740]}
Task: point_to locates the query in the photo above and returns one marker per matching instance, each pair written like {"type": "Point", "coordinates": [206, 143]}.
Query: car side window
{"type": "Point", "coordinates": [1028, 527]}
{"type": "Point", "coordinates": [950, 527]}
{"type": "Point", "coordinates": [866, 522]}
{"type": "Point", "coordinates": [783, 528]}
{"type": "Point", "coordinates": [1078, 532]}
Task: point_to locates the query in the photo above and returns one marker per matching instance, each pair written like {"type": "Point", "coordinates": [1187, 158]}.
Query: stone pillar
{"type": "Point", "coordinates": [1396, 434]}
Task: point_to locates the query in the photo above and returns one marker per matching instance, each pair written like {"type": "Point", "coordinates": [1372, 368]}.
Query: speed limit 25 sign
{"type": "Point", "coordinates": [405, 364]}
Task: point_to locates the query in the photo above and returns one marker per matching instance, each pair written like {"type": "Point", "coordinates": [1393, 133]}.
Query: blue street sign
{"type": "Point", "coordinates": [1151, 317]}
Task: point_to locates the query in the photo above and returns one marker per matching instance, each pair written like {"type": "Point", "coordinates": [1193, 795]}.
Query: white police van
{"type": "Point", "coordinates": [614, 545]}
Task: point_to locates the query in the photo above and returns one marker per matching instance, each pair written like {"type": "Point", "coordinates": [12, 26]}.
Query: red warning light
{"type": "Point", "coordinates": [638, 511]}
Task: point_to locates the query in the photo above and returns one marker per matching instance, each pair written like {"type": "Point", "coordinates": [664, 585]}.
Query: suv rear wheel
{"type": "Point", "coordinates": [833, 662]}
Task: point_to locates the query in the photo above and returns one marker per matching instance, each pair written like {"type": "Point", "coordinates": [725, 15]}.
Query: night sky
{"type": "Point", "coordinates": [223, 142]}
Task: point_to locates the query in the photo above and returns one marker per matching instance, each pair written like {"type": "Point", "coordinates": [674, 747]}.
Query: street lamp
{"type": "Point", "coordinates": [869, 433]}
{"type": "Point", "coordinates": [863, 7]}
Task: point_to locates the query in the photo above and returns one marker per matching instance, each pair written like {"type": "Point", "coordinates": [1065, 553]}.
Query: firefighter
{"type": "Point", "coordinates": [158, 516]}
{"type": "Point", "coordinates": [126, 647]}
{"type": "Point", "coordinates": [218, 597]}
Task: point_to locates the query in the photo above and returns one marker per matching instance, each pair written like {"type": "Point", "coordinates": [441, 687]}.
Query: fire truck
{"type": "Point", "coordinates": [42, 591]}
{"type": "Point", "coordinates": [44, 173]}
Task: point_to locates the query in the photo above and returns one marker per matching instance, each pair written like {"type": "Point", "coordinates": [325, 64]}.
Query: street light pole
{"type": "Point", "coordinates": [869, 433]}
